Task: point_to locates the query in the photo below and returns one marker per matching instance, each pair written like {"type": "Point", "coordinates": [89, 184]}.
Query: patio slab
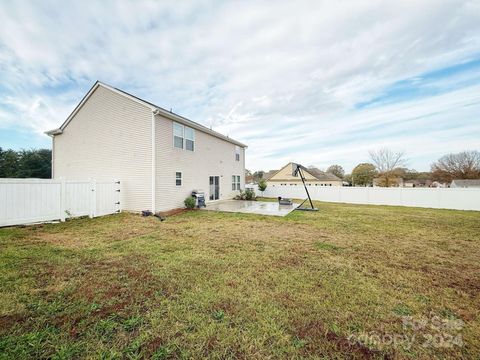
{"type": "Point", "coordinates": [251, 207]}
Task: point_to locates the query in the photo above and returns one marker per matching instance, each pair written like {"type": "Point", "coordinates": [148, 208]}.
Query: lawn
{"type": "Point", "coordinates": [348, 281]}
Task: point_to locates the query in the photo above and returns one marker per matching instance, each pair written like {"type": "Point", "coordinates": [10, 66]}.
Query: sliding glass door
{"type": "Point", "coordinates": [214, 187]}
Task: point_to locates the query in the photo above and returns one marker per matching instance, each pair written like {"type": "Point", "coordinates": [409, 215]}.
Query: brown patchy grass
{"type": "Point", "coordinates": [223, 285]}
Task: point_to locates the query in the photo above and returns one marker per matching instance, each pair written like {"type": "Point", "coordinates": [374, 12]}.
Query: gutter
{"type": "Point", "coordinates": [194, 125]}
{"type": "Point", "coordinates": [54, 132]}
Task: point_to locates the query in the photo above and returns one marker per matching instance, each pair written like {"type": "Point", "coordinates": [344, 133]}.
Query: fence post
{"type": "Point", "coordinates": [93, 201]}
{"type": "Point", "coordinates": [63, 199]}
{"type": "Point", "coordinates": [439, 198]}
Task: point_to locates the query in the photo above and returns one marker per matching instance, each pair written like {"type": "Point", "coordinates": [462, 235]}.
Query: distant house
{"type": "Point", "coordinates": [473, 183]}
{"type": "Point", "coordinates": [158, 156]}
{"type": "Point", "coordinates": [313, 177]}
{"type": "Point", "coordinates": [417, 183]}
{"type": "Point", "coordinates": [437, 184]}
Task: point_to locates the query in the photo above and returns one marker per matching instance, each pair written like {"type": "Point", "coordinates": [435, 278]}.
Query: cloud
{"type": "Point", "coordinates": [286, 78]}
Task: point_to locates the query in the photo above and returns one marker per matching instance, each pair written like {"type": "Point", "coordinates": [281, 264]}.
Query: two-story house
{"type": "Point", "coordinates": [158, 156]}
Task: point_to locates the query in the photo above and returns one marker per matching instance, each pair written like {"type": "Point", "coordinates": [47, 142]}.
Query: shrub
{"type": "Point", "coordinates": [262, 185]}
{"type": "Point", "coordinates": [190, 202]}
{"type": "Point", "coordinates": [249, 194]}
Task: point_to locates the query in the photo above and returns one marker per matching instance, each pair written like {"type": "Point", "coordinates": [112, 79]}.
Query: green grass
{"type": "Point", "coordinates": [224, 285]}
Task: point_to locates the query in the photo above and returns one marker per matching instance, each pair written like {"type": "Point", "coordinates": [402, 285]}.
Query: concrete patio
{"type": "Point", "coordinates": [251, 207]}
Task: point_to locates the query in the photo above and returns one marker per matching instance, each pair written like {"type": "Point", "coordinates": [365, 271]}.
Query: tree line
{"type": "Point", "coordinates": [386, 166]}
{"type": "Point", "coordinates": [33, 163]}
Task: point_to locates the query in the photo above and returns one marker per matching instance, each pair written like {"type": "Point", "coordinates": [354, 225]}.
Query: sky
{"type": "Point", "coordinates": [315, 82]}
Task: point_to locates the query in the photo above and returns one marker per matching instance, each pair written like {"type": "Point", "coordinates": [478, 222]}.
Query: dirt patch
{"type": "Point", "coordinates": [314, 333]}
{"type": "Point", "coordinates": [112, 287]}
{"type": "Point", "coordinates": [8, 321]}
{"type": "Point", "coordinates": [294, 260]}
{"type": "Point", "coordinates": [227, 306]}
{"type": "Point", "coordinates": [127, 280]}
{"type": "Point", "coordinates": [153, 345]}
{"type": "Point", "coordinates": [175, 212]}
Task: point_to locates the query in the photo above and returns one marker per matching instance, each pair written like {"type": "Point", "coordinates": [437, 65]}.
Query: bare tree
{"type": "Point", "coordinates": [387, 162]}
{"type": "Point", "coordinates": [464, 165]}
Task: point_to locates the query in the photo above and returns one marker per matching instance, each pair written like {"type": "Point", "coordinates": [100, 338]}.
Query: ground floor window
{"type": "Point", "coordinates": [235, 182]}
{"type": "Point", "coordinates": [178, 178]}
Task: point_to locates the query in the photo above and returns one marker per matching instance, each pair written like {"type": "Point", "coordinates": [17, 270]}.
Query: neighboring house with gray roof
{"type": "Point", "coordinates": [472, 183]}
{"type": "Point", "coordinates": [313, 177]}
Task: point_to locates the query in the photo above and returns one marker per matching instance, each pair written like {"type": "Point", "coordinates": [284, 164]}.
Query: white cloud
{"type": "Point", "coordinates": [283, 77]}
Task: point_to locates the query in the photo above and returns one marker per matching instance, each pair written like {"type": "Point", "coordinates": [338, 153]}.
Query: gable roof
{"type": "Point", "coordinates": [269, 174]}
{"type": "Point", "coordinates": [323, 176]}
{"type": "Point", "coordinates": [316, 173]}
{"type": "Point", "coordinates": [467, 182]}
{"type": "Point", "coordinates": [158, 110]}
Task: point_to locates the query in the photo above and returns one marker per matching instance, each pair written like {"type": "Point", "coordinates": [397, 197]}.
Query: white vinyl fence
{"type": "Point", "coordinates": [24, 201]}
{"type": "Point", "coordinates": [440, 198]}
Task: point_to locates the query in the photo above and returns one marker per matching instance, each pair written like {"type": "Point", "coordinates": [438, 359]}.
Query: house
{"type": "Point", "coordinates": [473, 183]}
{"type": "Point", "coordinates": [313, 177]}
{"type": "Point", "coordinates": [158, 156]}
{"type": "Point", "coordinates": [417, 183]}
{"type": "Point", "coordinates": [437, 184]}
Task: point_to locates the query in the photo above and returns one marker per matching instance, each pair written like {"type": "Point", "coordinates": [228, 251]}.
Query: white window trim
{"type": "Point", "coordinates": [236, 183]}
{"type": "Point", "coordinates": [192, 139]}
{"type": "Point", "coordinates": [181, 178]}
{"type": "Point", "coordinates": [184, 137]}
{"type": "Point", "coordinates": [237, 152]}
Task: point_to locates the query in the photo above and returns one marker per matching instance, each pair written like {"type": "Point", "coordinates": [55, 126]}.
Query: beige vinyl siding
{"type": "Point", "coordinates": [212, 157]}
{"type": "Point", "coordinates": [109, 138]}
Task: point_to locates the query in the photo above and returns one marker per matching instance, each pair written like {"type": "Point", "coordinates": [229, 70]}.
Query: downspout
{"type": "Point", "coordinates": [53, 158]}
{"type": "Point", "coordinates": [52, 134]}
{"type": "Point", "coordinates": [154, 157]}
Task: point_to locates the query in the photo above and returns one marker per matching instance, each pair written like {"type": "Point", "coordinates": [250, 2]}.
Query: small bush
{"type": "Point", "coordinates": [249, 194]}
{"type": "Point", "coordinates": [190, 202]}
{"type": "Point", "coordinates": [262, 185]}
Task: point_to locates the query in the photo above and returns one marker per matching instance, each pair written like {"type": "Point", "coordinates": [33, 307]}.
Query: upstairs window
{"type": "Point", "coordinates": [237, 153]}
{"type": "Point", "coordinates": [189, 139]}
{"type": "Point", "coordinates": [178, 135]}
{"type": "Point", "coordinates": [183, 137]}
{"type": "Point", "coordinates": [178, 178]}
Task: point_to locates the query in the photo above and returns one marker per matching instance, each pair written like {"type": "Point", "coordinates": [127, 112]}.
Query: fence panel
{"type": "Point", "coordinates": [107, 198]}
{"type": "Point", "coordinates": [24, 201]}
{"type": "Point", "coordinates": [441, 198]}
{"type": "Point", "coordinates": [78, 200]}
